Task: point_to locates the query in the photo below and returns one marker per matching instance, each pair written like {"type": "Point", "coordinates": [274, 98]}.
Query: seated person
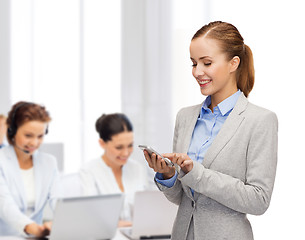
{"type": "Point", "coordinates": [28, 178]}
{"type": "Point", "coordinates": [3, 130]}
{"type": "Point", "coordinates": [114, 172]}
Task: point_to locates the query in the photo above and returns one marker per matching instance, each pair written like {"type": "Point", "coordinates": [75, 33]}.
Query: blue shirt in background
{"type": "Point", "coordinates": [206, 129]}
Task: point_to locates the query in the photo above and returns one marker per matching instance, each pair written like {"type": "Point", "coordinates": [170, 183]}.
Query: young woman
{"type": "Point", "coordinates": [114, 171]}
{"type": "Point", "coordinates": [28, 178]}
{"type": "Point", "coordinates": [225, 149]}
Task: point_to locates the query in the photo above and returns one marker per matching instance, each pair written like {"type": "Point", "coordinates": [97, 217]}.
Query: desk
{"type": "Point", "coordinates": [118, 236]}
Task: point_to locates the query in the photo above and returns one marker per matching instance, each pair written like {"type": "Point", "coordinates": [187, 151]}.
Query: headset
{"type": "Point", "coordinates": [12, 129]}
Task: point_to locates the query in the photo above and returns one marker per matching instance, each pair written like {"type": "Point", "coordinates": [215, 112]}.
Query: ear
{"type": "Point", "coordinates": [102, 143]}
{"type": "Point", "coordinates": [234, 63]}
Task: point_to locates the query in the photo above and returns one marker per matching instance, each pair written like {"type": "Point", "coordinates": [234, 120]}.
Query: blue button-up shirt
{"type": "Point", "coordinates": [206, 129]}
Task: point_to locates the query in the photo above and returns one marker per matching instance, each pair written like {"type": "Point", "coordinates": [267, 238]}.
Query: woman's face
{"type": "Point", "coordinates": [213, 72]}
{"type": "Point", "coordinates": [29, 136]}
{"type": "Point", "coordinates": [118, 149]}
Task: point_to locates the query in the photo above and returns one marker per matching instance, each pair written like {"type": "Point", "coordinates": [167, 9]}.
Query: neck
{"type": "Point", "coordinates": [113, 166]}
{"type": "Point", "coordinates": [219, 97]}
{"type": "Point", "coordinates": [117, 172]}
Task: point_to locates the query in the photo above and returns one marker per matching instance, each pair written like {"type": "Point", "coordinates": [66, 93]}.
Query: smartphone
{"type": "Point", "coordinates": [150, 151]}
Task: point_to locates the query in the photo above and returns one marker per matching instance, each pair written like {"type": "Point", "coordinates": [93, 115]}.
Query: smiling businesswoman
{"type": "Point", "coordinates": [226, 148]}
{"type": "Point", "coordinates": [28, 178]}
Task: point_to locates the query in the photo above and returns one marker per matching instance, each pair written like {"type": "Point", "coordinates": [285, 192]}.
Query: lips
{"type": "Point", "coordinates": [31, 149]}
{"type": "Point", "coordinates": [204, 82]}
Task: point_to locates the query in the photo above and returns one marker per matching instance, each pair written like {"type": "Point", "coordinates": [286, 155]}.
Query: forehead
{"type": "Point", "coordinates": [205, 47]}
{"type": "Point", "coordinates": [122, 138]}
{"type": "Point", "coordinates": [33, 126]}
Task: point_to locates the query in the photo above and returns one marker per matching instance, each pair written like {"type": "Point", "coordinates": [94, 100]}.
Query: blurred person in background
{"type": "Point", "coordinates": [28, 177]}
{"type": "Point", "coordinates": [114, 171]}
{"type": "Point", "coordinates": [3, 129]}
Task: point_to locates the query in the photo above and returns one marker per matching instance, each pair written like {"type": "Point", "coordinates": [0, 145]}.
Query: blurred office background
{"type": "Point", "coordinates": [82, 58]}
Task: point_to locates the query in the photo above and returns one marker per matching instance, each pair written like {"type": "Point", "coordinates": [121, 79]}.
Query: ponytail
{"type": "Point", "coordinates": [245, 72]}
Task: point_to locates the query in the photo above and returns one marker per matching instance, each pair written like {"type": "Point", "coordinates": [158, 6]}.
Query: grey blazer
{"type": "Point", "coordinates": [236, 176]}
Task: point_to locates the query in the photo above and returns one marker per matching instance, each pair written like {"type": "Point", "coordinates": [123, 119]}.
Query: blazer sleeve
{"type": "Point", "coordinates": [252, 195]}
{"type": "Point", "coordinates": [9, 211]}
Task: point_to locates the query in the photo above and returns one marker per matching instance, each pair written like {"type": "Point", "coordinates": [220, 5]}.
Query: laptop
{"type": "Point", "coordinates": [153, 216]}
{"type": "Point", "coordinates": [92, 217]}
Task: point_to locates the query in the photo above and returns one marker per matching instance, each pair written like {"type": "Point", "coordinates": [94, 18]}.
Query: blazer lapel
{"type": "Point", "coordinates": [15, 170]}
{"type": "Point", "coordinates": [189, 123]}
{"type": "Point", "coordinates": [227, 131]}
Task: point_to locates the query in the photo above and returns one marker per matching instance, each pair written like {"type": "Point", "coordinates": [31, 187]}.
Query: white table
{"type": "Point", "coordinates": [118, 236]}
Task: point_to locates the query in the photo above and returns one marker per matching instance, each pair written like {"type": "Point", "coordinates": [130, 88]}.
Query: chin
{"type": "Point", "coordinates": [205, 92]}
{"type": "Point", "coordinates": [122, 162]}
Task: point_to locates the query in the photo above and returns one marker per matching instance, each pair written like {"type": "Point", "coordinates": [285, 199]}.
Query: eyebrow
{"type": "Point", "coordinates": [200, 58]}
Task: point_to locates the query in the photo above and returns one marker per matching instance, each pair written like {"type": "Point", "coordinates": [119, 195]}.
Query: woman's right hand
{"type": "Point", "coordinates": [158, 165]}
{"type": "Point", "coordinates": [123, 223]}
{"type": "Point", "coordinates": [36, 230]}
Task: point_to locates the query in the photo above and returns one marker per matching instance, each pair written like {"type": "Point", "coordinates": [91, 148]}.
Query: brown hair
{"type": "Point", "coordinates": [23, 112]}
{"type": "Point", "coordinates": [232, 44]}
{"type": "Point", "coordinates": [109, 125]}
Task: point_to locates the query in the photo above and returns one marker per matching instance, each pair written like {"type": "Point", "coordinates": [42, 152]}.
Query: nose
{"type": "Point", "coordinates": [125, 152]}
{"type": "Point", "coordinates": [35, 142]}
{"type": "Point", "coordinates": [198, 71]}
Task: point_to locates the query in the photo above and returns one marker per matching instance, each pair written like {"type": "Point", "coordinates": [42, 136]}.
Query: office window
{"type": "Point", "coordinates": [66, 55]}
{"type": "Point", "coordinates": [188, 17]}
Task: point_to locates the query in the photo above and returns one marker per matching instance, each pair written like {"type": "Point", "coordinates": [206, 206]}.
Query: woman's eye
{"type": "Point", "coordinates": [207, 64]}
{"type": "Point", "coordinates": [194, 65]}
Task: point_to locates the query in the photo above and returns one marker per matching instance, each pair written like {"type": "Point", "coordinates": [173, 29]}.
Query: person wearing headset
{"type": "Point", "coordinates": [225, 149]}
{"type": "Point", "coordinates": [28, 178]}
{"type": "Point", "coordinates": [115, 171]}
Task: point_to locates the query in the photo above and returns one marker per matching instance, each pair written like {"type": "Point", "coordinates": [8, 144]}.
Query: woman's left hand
{"type": "Point", "coordinates": [182, 159]}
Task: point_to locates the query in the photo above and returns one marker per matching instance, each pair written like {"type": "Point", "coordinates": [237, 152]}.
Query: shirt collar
{"type": "Point", "coordinates": [224, 107]}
